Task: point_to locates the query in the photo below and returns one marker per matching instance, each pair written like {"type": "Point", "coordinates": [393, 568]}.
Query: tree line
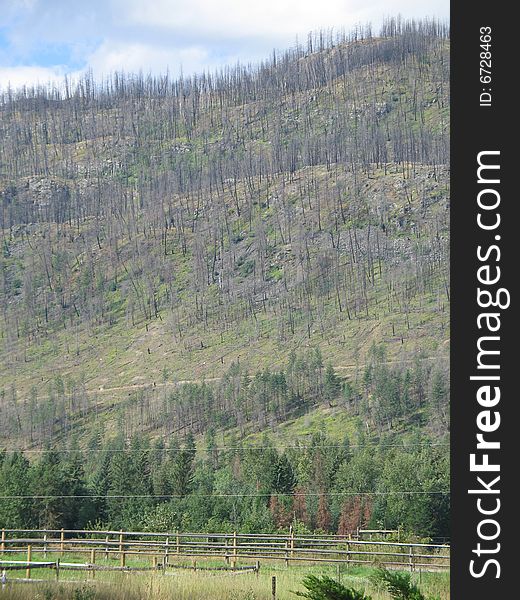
{"type": "Point", "coordinates": [316, 485]}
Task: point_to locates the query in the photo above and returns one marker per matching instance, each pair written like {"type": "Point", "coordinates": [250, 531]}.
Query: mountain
{"type": "Point", "coordinates": [190, 254]}
{"type": "Point", "coordinates": [225, 298]}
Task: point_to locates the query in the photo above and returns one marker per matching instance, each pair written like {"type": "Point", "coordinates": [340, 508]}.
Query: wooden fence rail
{"type": "Point", "coordinates": [162, 548]}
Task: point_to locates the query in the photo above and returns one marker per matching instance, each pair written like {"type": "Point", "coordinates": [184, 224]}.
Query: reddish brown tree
{"type": "Point", "coordinates": [281, 516]}
{"type": "Point", "coordinates": [300, 506]}
{"type": "Point", "coordinates": [323, 517]}
{"type": "Point", "coordinates": [351, 516]}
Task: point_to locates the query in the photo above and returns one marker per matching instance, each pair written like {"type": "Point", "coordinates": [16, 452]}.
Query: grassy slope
{"type": "Point", "coordinates": [114, 360]}
{"type": "Point", "coordinates": [109, 356]}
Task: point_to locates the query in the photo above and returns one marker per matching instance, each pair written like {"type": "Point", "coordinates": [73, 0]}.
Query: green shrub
{"type": "Point", "coordinates": [325, 588]}
{"type": "Point", "coordinates": [399, 585]}
{"type": "Point", "coordinates": [84, 593]}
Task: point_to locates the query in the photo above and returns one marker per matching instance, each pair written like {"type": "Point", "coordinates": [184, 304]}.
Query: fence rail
{"type": "Point", "coordinates": [163, 549]}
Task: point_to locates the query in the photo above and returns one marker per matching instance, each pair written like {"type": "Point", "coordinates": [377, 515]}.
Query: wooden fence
{"type": "Point", "coordinates": [118, 549]}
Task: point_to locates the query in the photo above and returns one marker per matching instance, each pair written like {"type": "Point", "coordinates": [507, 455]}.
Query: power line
{"type": "Point", "coordinates": [171, 496]}
{"type": "Point", "coordinates": [375, 445]}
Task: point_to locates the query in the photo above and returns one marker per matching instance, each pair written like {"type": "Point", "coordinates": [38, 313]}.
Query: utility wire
{"type": "Point", "coordinates": [166, 496]}
{"type": "Point", "coordinates": [404, 446]}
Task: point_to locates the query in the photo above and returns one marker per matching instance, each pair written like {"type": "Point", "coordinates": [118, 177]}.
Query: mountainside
{"type": "Point", "coordinates": [158, 231]}
{"type": "Point", "coordinates": [225, 298]}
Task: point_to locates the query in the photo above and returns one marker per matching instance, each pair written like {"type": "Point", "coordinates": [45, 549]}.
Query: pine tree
{"type": "Point", "coordinates": [15, 511]}
{"type": "Point", "coordinates": [77, 508]}
{"type": "Point", "coordinates": [284, 478]}
{"type": "Point", "coordinates": [183, 468]}
{"type": "Point", "coordinates": [399, 585]}
{"type": "Point", "coordinates": [48, 475]}
{"type": "Point", "coordinates": [331, 384]}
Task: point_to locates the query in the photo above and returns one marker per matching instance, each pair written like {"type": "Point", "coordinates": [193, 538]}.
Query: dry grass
{"type": "Point", "coordinates": [206, 586]}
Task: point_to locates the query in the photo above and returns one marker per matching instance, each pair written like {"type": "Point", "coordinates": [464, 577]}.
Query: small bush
{"type": "Point", "coordinates": [399, 585]}
{"type": "Point", "coordinates": [325, 588]}
{"type": "Point", "coordinates": [84, 593]}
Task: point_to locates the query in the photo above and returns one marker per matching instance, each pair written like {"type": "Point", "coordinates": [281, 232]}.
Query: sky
{"type": "Point", "coordinates": [41, 41]}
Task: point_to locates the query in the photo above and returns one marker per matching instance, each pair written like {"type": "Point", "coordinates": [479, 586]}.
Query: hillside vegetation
{"type": "Point", "coordinates": [261, 249]}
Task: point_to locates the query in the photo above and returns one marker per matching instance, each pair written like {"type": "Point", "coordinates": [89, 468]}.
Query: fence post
{"type": "Point", "coordinates": [29, 554]}
{"type": "Point", "coordinates": [93, 562]}
{"type": "Point", "coordinates": [234, 561]}
{"type": "Point", "coordinates": [348, 553]}
{"type": "Point", "coordinates": [122, 554]}
{"type": "Point", "coordinates": [166, 554]}
{"type": "Point", "coordinates": [44, 545]}
{"type": "Point", "coordinates": [273, 587]}
{"type": "Point", "coordinates": [62, 538]}
{"type": "Point", "coordinates": [286, 553]}
{"type": "Point", "coordinates": [57, 569]}
{"type": "Point", "coordinates": [292, 542]}
{"type": "Point", "coordinates": [178, 542]}
{"type": "Point", "coordinates": [410, 558]}
{"type": "Point", "coordinates": [106, 547]}
{"type": "Point", "coordinates": [2, 546]}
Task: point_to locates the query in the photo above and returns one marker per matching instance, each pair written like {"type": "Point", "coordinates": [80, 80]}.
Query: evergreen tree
{"type": "Point", "coordinates": [49, 479]}
{"type": "Point", "coordinates": [16, 510]}
{"type": "Point", "coordinates": [331, 384]}
{"type": "Point", "coordinates": [183, 468]}
{"type": "Point", "coordinates": [284, 476]}
{"type": "Point", "coordinates": [77, 507]}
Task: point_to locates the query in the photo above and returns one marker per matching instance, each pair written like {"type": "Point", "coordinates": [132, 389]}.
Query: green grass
{"type": "Point", "coordinates": [189, 585]}
{"type": "Point", "coordinates": [336, 422]}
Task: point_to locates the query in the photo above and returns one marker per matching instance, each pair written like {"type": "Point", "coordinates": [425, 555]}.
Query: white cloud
{"type": "Point", "coordinates": [236, 18]}
{"type": "Point", "coordinates": [16, 77]}
{"type": "Point", "coordinates": [269, 18]}
{"type": "Point", "coordinates": [155, 35]}
{"type": "Point", "coordinates": [130, 57]}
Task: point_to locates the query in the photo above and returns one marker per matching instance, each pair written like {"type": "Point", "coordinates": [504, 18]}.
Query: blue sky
{"type": "Point", "coordinates": [44, 40]}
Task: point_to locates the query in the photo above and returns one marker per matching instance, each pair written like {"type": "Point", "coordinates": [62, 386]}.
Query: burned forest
{"type": "Point", "coordinates": [195, 267]}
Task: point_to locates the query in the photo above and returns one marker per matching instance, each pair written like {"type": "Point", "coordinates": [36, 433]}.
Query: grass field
{"type": "Point", "coordinates": [188, 585]}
